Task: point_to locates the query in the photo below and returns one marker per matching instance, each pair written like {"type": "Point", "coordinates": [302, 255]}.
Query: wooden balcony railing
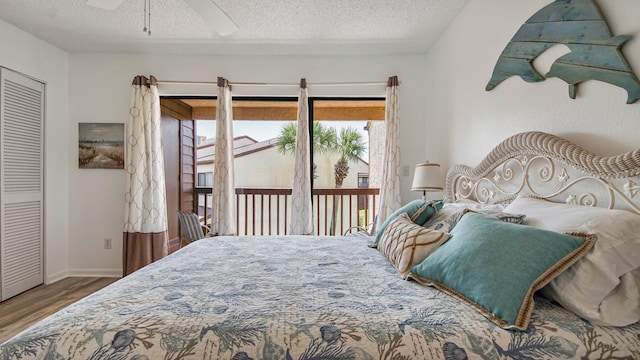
{"type": "Point", "coordinates": [266, 211]}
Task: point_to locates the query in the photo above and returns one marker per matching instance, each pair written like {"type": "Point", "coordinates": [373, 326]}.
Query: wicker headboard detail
{"type": "Point", "coordinates": [547, 166]}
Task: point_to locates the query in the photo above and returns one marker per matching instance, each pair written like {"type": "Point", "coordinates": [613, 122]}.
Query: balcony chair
{"type": "Point", "coordinates": [192, 229]}
{"type": "Point", "coordinates": [358, 230]}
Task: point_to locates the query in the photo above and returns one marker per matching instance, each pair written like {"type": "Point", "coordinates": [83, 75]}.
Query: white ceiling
{"type": "Point", "coordinates": [269, 27]}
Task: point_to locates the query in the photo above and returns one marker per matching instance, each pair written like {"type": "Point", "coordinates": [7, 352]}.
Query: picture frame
{"type": "Point", "coordinates": [101, 145]}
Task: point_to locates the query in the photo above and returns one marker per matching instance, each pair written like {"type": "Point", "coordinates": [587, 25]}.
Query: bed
{"type": "Point", "coordinates": [308, 297]}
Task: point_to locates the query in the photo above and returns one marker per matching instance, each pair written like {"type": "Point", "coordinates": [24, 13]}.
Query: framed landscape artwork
{"type": "Point", "coordinates": [101, 146]}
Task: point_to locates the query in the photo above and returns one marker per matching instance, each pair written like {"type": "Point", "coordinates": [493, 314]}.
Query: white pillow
{"type": "Point", "coordinates": [603, 286]}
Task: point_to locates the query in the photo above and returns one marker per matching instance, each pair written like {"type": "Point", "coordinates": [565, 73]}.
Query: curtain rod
{"type": "Point", "coordinates": [177, 82]}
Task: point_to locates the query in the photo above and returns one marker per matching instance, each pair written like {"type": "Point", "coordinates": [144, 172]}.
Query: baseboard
{"type": "Point", "coordinates": [50, 279]}
{"type": "Point", "coordinates": [94, 273]}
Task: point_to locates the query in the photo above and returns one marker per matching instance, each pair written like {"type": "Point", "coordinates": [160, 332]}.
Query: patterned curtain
{"type": "Point", "coordinates": [145, 229]}
{"type": "Point", "coordinates": [301, 210]}
{"type": "Point", "coordinates": [390, 186]}
{"type": "Point", "coordinates": [223, 212]}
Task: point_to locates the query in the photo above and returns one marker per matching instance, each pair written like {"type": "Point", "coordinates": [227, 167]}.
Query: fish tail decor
{"type": "Point", "coordinates": [578, 24]}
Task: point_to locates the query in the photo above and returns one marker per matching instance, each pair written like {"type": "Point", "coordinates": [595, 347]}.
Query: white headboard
{"type": "Point", "coordinates": [547, 166]}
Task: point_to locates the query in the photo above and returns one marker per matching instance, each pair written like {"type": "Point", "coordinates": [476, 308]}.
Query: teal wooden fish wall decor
{"type": "Point", "coordinates": [578, 24]}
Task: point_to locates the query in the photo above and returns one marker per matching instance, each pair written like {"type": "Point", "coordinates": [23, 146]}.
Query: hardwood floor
{"type": "Point", "coordinates": [24, 310]}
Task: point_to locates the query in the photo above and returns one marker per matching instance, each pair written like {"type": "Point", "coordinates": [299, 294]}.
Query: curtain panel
{"type": "Point", "coordinates": [301, 210]}
{"type": "Point", "coordinates": [223, 212]}
{"type": "Point", "coordinates": [390, 185]}
{"type": "Point", "coordinates": [145, 237]}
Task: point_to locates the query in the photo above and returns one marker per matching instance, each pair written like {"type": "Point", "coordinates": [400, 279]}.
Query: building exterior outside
{"type": "Point", "coordinates": [377, 133]}
{"type": "Point", "coordinates": [258, 164]}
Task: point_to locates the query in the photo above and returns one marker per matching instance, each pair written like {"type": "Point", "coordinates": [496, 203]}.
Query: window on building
{"type": "Point", "coordinates": [363, 180]}
{"type": "Point", "coordinates": [205, 179]}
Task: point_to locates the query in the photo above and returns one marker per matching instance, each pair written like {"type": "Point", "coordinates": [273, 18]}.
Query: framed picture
{"type": "Point", "coordinates": [101, 146]}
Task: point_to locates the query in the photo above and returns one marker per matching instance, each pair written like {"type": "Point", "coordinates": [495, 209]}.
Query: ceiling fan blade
{"type": "Point", "coordinates": [105, 4]}
{"type": "Point", "coordinates": [214, 16]}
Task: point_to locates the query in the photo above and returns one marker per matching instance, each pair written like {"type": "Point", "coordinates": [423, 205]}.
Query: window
{"type": "Point", "coordinates": [344, 169]}
{"type": "Point", "coordinates": [363, 180]}
{"type": "Point", "coordinates": [264, 165]}
{"type": "Point", "coordinates": [364, 118]}
{"type": "Point", "coordinates": [205, 179]}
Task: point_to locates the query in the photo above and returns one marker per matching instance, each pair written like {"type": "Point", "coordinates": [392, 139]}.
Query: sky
{"type": "Point", "coordinates": [101, 131]}
{"type": "Point", "coordinates": [263, 130]}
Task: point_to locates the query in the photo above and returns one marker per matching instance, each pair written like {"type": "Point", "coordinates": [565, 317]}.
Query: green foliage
{"type": "Point", "coordinates": [351, 145]}
{"type": "Point", "coordinates": [324, 139]}
{"type": "Point", "coordinates": [287, 140]}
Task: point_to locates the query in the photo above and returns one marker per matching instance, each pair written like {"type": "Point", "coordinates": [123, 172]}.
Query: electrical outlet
{"type": "Point", "coordinates": [107, 243]}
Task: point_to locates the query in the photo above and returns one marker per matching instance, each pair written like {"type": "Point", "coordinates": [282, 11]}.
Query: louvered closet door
{"type": "Point", "coordinates": [21, 183]}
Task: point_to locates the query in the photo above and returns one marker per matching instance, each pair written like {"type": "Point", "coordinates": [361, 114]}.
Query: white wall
{"type": "Point", "coordinates": [100, 91]}
{"type": "Point", "coordinates": [463, 116]}
{"type": "Point", "coordinates": [445, 111]}
{"type": "Point", "coordinates": [27, 54]}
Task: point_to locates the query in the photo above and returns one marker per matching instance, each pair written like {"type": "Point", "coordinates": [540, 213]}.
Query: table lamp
{"type": "Point", "coordinates": [427, 177]}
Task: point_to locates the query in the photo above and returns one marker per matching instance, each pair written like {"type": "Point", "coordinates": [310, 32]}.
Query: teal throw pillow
{"type": "Point", "coordinates": [496, 266]}
{"type": "Point", "coordinates": [419, 211]}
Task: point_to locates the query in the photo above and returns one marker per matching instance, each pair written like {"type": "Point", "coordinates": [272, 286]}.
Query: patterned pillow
{"type": "Point", "coordinates": [405, 244]}
{"type": "Point", "coordinates": [447, 218]}
{"type": "Point", "coordinates": [419, 212]}
{"type": "Point", "coordinates": [496, 267]}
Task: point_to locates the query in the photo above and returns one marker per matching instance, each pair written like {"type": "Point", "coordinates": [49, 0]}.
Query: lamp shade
{"type": "Point", "coordinates": [427, 177]}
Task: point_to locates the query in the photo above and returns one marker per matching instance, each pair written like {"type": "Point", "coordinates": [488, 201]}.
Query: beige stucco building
{"type": "Point", "coordinates": [259, 165]}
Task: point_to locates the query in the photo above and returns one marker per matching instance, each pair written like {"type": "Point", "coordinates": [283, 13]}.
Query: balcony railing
{"type": "Point", "coordinates": [267, 211]}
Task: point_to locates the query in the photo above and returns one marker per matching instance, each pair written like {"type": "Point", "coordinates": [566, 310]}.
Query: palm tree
{"type": "Point", "coordinates": [324, 140]}
{"type": "Point", "coordinates": [351, 146]}
{"type": "Point", "coordinates": [287, 139]}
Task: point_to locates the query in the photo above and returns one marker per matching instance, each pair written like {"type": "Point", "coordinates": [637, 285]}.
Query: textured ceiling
{"type": "Point", "coordinates": [270, 27]}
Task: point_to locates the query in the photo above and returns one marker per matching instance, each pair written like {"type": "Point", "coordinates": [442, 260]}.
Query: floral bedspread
{"type": "Point", "coordinates": [297, 298]}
